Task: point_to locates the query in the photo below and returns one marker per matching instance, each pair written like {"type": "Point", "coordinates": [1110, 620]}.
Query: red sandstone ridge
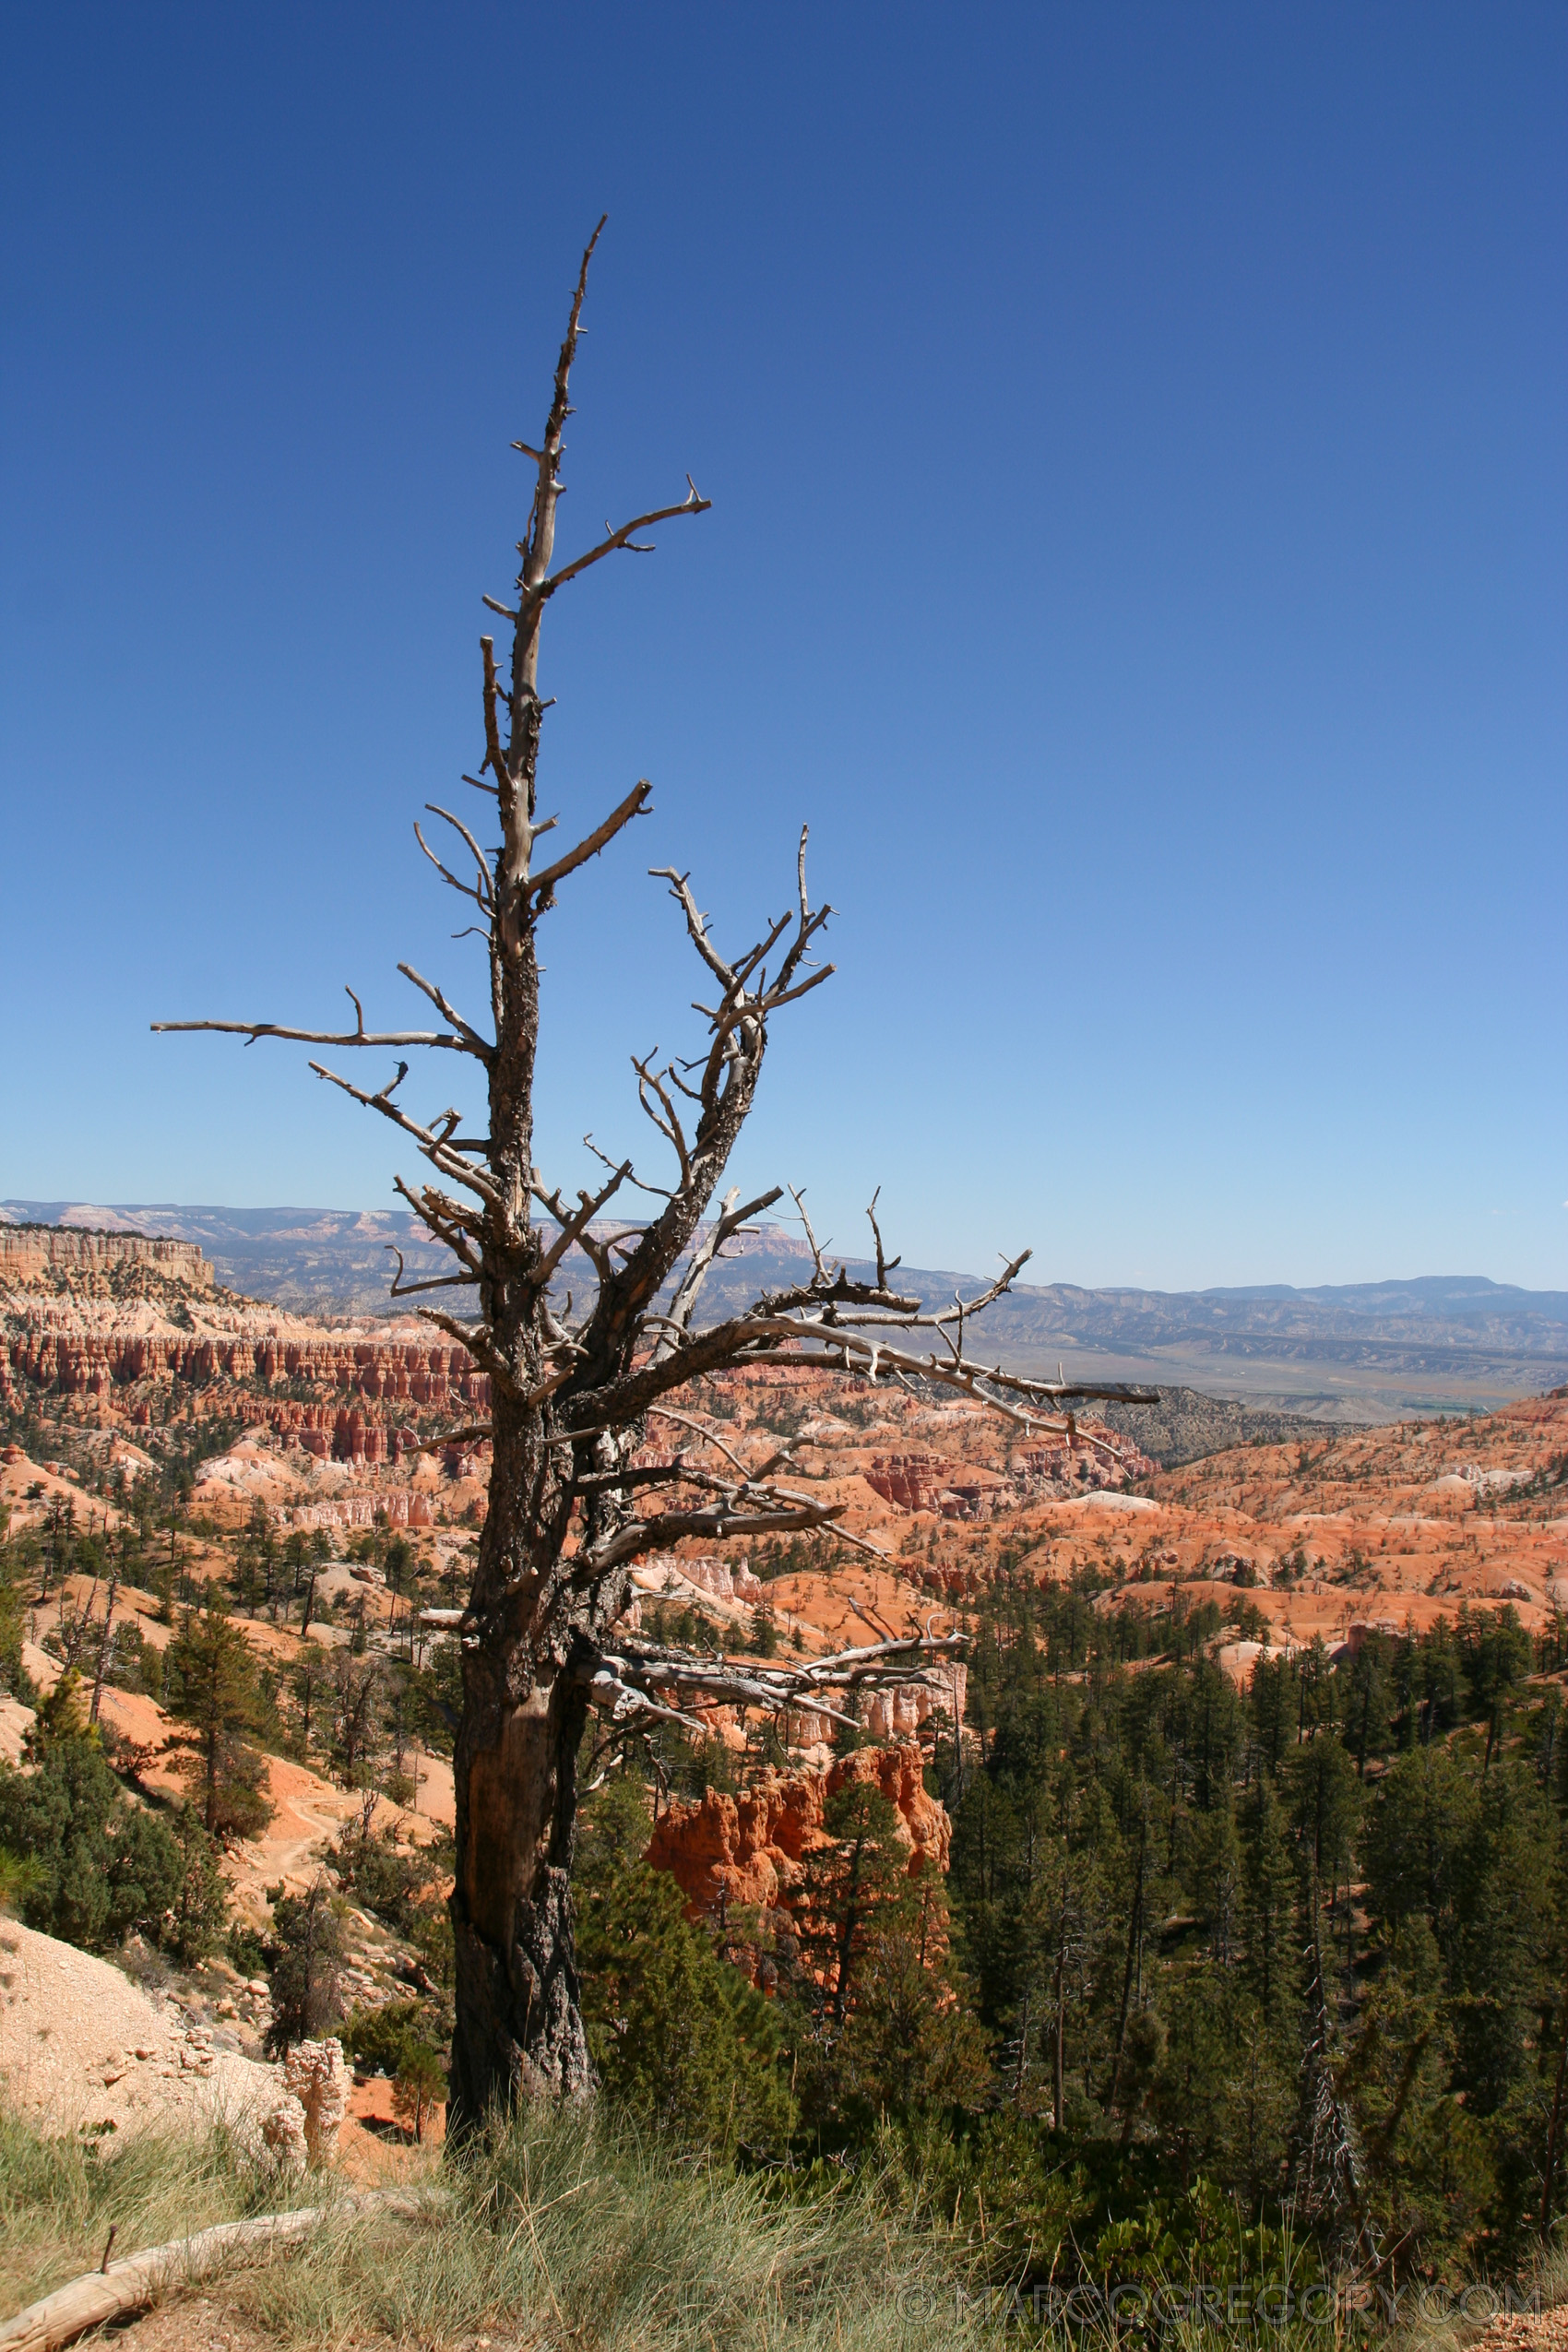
{"type": "Point", "coordinates": [747, 1850]}
{"type": "Point", "coordinates": [75, 1363]}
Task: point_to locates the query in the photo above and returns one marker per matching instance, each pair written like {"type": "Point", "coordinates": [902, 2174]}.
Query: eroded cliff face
{"type": "Point", "coordinates": [728, 1851]}
{"type": "Point", "coordinates": [38, 1256]}
{"type": "Point", "coordinates": [87, 1313]}
{"type": "Point", "coordinates": [49, 1350]}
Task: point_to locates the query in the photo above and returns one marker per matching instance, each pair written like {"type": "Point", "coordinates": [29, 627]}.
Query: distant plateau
{"type": "Point", "coordinates": [1355, 1352]}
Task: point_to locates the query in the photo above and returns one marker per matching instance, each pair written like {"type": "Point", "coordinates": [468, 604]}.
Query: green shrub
{"type": "Point", "coordinates": [377, 2040]}
{"type": "Point", "coordinates": [246, 1949]}
{"type": "Point", "coordinates": [682, 2040]}
{"type": "Point", "coordinates": [95, 1866]}
{"type": "Point", "coordinates": [307, 1962]}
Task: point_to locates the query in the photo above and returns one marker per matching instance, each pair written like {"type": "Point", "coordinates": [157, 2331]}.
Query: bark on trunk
{"type": "Point", "coordinates": [519, 2031]}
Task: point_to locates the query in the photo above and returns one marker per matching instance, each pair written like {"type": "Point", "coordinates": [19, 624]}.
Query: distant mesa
{"type": "Point", "coordinates": [31, 1253]}
{"type": "Point", "coordinates": [89, 1313]}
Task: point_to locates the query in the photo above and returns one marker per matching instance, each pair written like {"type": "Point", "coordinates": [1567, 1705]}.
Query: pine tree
{"type": "Point", "coordinates": [200, 1909]}
{"type": "Point", "coordinates": [1270, 1888]}
{"type": "Point", "coordinates": [92, 1865]}
{"type": "Point", "coordinates": [359, 1686]}
{"type": "Point", "coordinates": [210, 1685]}
{"type": "Point", "coordinates": [853, 1886]}
{"type": "Point", "coordinates": [1323, 1797]}
{"type": "Point", "coordinates": [306, 1968]}
{"type": "Point", "coordinates": [419, 2085]}
{"type": "Point", "coordinates": [911, 2042]}
{"type": "Point", "coordinates": [679, 2038]}
{"type": "Point", "coordinates": [1063, 1925]}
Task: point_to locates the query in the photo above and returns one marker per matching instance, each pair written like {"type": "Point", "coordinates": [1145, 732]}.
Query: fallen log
{"type": "Point", "coordinates": [119, 2288]}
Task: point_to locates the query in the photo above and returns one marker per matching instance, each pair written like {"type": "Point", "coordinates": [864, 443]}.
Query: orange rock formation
{"type": "Point", "coordinates": [727, 1851]}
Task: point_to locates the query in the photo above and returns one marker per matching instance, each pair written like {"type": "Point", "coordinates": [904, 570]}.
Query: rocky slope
{"type": "Point", "coordinates": [82, 2050]}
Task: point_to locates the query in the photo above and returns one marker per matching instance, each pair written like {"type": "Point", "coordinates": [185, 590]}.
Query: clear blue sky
{"type": "Point", "coordinates": [1136, 441]}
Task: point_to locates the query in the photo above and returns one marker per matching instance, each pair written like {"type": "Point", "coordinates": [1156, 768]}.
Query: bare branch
{"type": "Point", "coordinates": [574, 1224]}
{"type": "Point", "coordinates": [447, 1220]}
{"type": "Point", "coordinates": [607, 1689]}
{"type": "Point", "coordinates": [776, 997]}
{"type": "Point", "coordinates": [800, 1200]}
{"type": "Point", "coordinates": [481, 861]}
{"type": "Point", "coordinates": [479, 1341]}
{"type": "Point", "coordinates": [685, 1422]}
{"type": "Point", "coordinates": [808, 924]}
{"type": "Point", "coordinates": [697, 922]}
{"type": "Point", "coordinates": [541, 887]}
{"type": "Point", "coordinates": [691, 505]}
{"type": "Point", "coordinates": [637, 1665]}
{"type": "Point", "coordinates": [765, 946]}
{"type": "Point", "coordinates": [479, 1044]}
{"type": "Point", "coordinates": [671, 1527]}
{"type": "Point", "coordinates": [724, 1228]}
{"type": "Point", "coordinates": [495, 758]}
{"type": "Point", "coordinates": [797, 1343]}
{"type": "Point", "coordinates": [662, 1192]}
{"type": "Point", "coordinates": [883, 1268]}
{"type": "Point", "coordinates": [668, 1125]}
{"type": "Point", "coordinates": [401, 1290]}
{"type": "Point", "coordinates": [482, 898]}
{"type": "Point", "coordinates": [440, 1156]}
{"type": "Point", "coordinates": [250, 1030]}
{"type": "Point", "coordinates": [478, 1433]}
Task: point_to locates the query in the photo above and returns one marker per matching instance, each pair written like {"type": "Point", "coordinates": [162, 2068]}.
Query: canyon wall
{"type": "Point", "coordinates": [34, 1255]}
{"type": "Point", "coordinates": [47, 1353]}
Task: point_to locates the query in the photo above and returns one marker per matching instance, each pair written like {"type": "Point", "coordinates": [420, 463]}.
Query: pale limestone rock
{"type": "Point", "coordinates": [316, 2076]}
{"type": "Point", "coordinates": [284, 2133]}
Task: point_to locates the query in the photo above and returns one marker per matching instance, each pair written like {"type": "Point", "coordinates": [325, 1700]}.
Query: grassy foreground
{"type": "Point", "coordinates": [568, 2232]}
{"type": "Point", "coordinates": [562, 2232]}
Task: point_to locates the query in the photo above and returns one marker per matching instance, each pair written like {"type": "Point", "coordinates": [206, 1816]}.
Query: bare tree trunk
{"type": "Point", "coordinates": [519, 2021]}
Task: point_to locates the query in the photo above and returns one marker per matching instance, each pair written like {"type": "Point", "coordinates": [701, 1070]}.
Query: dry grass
{"type": "Point", "coordinates": [562, 2233]}
{"type": "Point", "coordinates": [59, 2198]}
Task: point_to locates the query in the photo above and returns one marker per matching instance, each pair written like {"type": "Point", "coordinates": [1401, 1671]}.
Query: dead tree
{"type": "Point", "coordinates": [571, 1504]}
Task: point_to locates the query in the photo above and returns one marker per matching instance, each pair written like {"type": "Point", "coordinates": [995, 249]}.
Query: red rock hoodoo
{"type": "Point", "coordinates": [727, 1851]}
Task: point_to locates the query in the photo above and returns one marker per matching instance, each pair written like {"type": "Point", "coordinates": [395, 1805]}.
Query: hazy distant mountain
{"type": "Point", "coordinates": [1366, 1349]}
